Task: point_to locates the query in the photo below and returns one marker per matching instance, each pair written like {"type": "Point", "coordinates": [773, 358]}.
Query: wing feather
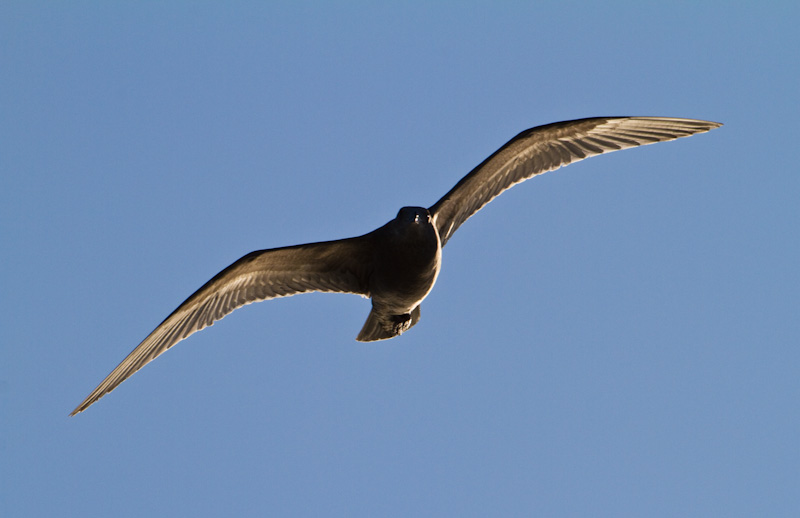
{"type": "Point", "coordinates": [546, 148]}
{"type": "Point", "coordinates": [335, 266]}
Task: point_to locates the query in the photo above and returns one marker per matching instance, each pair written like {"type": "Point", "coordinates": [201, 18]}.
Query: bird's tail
{"type": "Point", "coordinates": [377, 328]}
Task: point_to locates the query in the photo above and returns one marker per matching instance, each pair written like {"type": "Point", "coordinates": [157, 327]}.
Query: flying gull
{"type": "Point", "coordinates": [397, 264]}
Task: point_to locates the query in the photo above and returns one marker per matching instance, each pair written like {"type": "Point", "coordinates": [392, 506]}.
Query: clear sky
{"type": "Point", "coordinates": [617, 338]}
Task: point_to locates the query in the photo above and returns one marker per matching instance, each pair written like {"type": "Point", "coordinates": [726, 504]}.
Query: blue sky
{"type": "Point", "coordinates": [617, 338]}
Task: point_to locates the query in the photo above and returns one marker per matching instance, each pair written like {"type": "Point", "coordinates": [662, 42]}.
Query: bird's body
{"type": "Point", "coordinates": [407, 262]}
{"type": "Point", "coordinates": [397, 264]}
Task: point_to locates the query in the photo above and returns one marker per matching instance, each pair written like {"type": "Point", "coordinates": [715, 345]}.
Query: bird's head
{"type": "Point", "coordinates": [414, 215]}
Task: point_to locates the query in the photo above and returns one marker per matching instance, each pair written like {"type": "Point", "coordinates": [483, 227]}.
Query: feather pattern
{"type": "Point", "coordinates": [546, 148]}
{"type": "Point", "coordinates": [334, 266]}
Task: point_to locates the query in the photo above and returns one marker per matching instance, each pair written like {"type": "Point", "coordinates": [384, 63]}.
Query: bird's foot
{"type": "Point", "coordinates": [400, 323]}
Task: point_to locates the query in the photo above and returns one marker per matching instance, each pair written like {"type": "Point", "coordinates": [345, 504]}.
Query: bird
{"type": "Point", "coordinates": [397, 264]}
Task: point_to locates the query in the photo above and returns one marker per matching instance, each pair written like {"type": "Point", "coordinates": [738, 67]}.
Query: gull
{"type": "Point", "coordinates": [397, 264]}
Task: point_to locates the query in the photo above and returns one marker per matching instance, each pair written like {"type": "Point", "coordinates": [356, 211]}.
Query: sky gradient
{"type": "Point", "coordinates": [616, 338]}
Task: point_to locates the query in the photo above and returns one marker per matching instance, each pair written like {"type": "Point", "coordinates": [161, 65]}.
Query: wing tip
{"type": "Point", "coordinates": [704, 125]}
{"type": "Point", "coordinates": [89, 401]}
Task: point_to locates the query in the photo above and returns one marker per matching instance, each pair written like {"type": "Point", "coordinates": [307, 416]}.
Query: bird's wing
{"type": "Point", "coordinates": [549, 147]}
{"type": "Point", "coordinates": [333, 266]}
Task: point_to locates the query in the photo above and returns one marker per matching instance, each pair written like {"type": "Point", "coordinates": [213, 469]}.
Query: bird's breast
{"type": "Point", "coordinates": [406, 269]}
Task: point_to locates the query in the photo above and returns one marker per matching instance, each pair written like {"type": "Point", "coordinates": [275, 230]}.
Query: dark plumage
{"type": "Point", "coordinates": [397, 264]}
